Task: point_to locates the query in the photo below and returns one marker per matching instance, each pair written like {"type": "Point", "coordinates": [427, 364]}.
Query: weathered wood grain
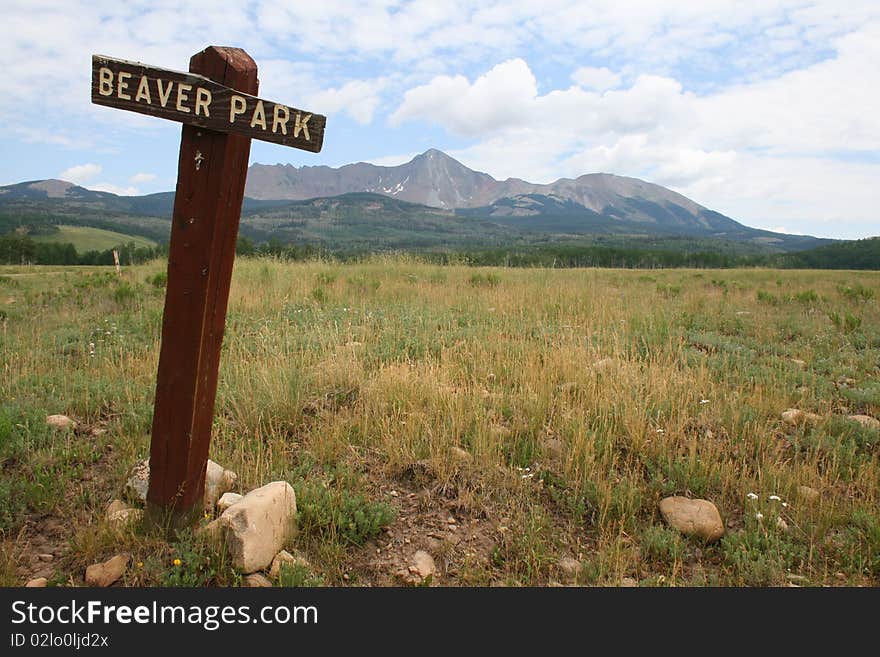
{"type": "Point", "coordinates": [195, 99]}
{"type": "Point", "coordinates": [210, 188]}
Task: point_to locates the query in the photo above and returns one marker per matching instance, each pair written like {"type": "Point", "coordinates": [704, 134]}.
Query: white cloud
{"type": "Point", "coordinates": [115, 189]}
{"type": "Point", "coordinates": [599, 79]}
{"type": "Point", "coordinates": [498, 99]}
{"type": "Point", "coordinates": [80, 173]}
{"type": "Point", "coordinates": [357, 98]}
{"type": "Point", "coordinates": [141, 178]}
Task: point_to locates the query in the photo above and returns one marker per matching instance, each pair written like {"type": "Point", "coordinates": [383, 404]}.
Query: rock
{"type": "Point", "coordinates": [553, 448]}
{"type": "Point", "coordinates": [46, 557]}
{"type": "Point", "coordinates": [793, 416]}
{"type": "Point", "coordinates": [808, 494]}
{"type": "Point", "coordinates": [629, 582]}
{"type": "Point", "coordinates": [421, 569]}
{"type": "Point", "coordinates": [119, 519]}
{"type": "Point", "coordinates": [218, 480]}
{"type": "Point", "coordinates": [60, 422]}
{"type": "Point", "coordinates": [114, 507]}
{"type": "Point", "coordinates": [104, 574]}
{"type": "Point", "coordinates": [812, 418]}
{"type": "Point", "coordinates": [461, 456]}
{"type": "Point", "coordinates": [257, 526]}
{"type": "Point", "coordinates": [227, 500]}
{"type": "Point", "coordinates": [866, 421]}
{"type": "Point", "coordinates": [570, 568]}
{"type": "Point", "coordinates": [698, 518]}
{"type": "Point", "coordinates": [138, 482]}
{"type": "Point", "coordinates": [284, 557]}
{"type": "Point", "coordinates": [257, 580]}
{"type": "Point", "coordinates": [37, 583]}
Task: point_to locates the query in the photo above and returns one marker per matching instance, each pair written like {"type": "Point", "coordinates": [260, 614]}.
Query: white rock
{"type": "Point", "coordinates": [257, 580]}
{"type": "Point", "coordinates": [227, 500]}
{"type": "Point", "coordinates": [284, 557]}
{"type": "Point", "coordinates": [570, 568]}
{"type": "Point", "coordinates": [37, 583]}
{"type": "Point", "coordinates": [866, 421]}
{"type": "Point", "coordinates": [119, 519]}
{"type": "Point", "coordinates": [114, 507]}
{"type": "Point", "coordinates": [808, 494]}
{"type": "Point", "coordinates": [218, 480]}
{"type": "Point", "coordinates": [138, 482]}
{"type": "Point", "coordinates": [60, 422]}
{"type": "Point", "coordinates": [793, 416]}
{"type": "Point", "coordinates": [629, 582]}
{"type": "Point", "coordinates": [421, 569]}
{"type": "Point", "coordinates": [257, 526]}
{"type": "Point", "coordinates": [104, 574]}
{"type": "Point", "coordinates": [699, 518]}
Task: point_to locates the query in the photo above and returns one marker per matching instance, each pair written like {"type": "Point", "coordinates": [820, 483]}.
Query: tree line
{"type": "Point", "coordinates": [17, 249]}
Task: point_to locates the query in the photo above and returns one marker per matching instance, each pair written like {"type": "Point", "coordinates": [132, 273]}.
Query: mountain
{"type": "Point", "coordinates": [590, 204]}
{"type": "Point", "coordinates": [432, 201]}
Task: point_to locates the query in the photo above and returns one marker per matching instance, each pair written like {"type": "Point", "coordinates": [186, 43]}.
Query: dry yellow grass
{"type": "Point", "coordinates": [582, 397]}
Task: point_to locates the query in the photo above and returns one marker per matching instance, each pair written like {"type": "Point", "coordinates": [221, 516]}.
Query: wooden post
{"type": "Point", "coordinates": [210, 187]}
{"type": "Point", "coordinates": [217, 104]}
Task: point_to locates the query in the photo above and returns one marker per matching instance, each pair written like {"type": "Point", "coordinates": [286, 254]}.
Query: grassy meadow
{"type": "Point", "coordinates": [87, 238]}
{"type": "Point", "coordinates": [500, 419]}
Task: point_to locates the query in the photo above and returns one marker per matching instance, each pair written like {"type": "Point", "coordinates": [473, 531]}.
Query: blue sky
{"type": "Point", "coordinates": [764, 111]}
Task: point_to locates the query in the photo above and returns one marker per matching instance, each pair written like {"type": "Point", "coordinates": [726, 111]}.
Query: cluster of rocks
{"type": "Point", "coordinates": [795, 417]}
{"type": "Point", "coordinates": [252, 528]}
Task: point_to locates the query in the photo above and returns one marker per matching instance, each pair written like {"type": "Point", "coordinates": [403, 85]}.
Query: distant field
{"type": "Point", "coordinates": [520, 425]}
{"type": "Point", "coordinates": [85, 238]}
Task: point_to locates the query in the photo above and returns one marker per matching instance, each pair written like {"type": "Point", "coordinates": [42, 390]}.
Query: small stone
{"type": "Point", "coordinates": [138, 482]}
{"type": "Point", "coordinates": [421, 570]}
{"type": "Point", "coordinates": [123, 517]}
{"type": "Point", "coordinates": [258, 525]}
{"type": "Point", "coordinates": [60, 422]}
{"type": "Point", "coordinates": [808, 494]}
{"type": "Point", "coordinates": [866, 421]}
{"type": "Point", "coordinates": [37, 583]}
{"type": "Point", "coordinates": [227, 500]}
{"type": "Point", "coordinates": [104, 574]}
{"type": "Point", "coordinates": [45, 556]}
{"type": "Point", "coordinates": [629, 582]}
{"type": "Point", "coordinates": [570, 568]}
{"type": "Point", "coordinates": [114, 507]}
{"type": "Point", "coordinates": [698, 518]}
{"type": "Point", "coordinates": [257, 580]}
{"type": "Point", "coordinates": [793, 416]}
{"type": "Point", "coordinates": [461, 456]}
{"type": "Point", "coordinates": [286, 558]}
{"type": "Point", "coordinates": [218, 480]}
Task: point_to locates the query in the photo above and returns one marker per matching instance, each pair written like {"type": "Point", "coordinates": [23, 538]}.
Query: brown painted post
{"type": "Point", "coordinates": [210, 187]}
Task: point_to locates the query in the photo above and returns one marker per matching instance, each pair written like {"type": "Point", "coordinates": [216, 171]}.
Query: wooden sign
{"type": "Point", "coordinates": [197, 100]}
{"type": "Point", "coordinates": [216, 101]}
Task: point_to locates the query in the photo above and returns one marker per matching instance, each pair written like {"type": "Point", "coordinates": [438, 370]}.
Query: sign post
{"type": "Point", "coordinates": [216, 101]}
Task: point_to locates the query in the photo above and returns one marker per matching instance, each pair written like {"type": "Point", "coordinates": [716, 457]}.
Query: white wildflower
{"type": "Point", "coordinates": [704, 401]}
{"type": "Point", "coordinates": [752, 496]}
{"type": "Point", "coordinates": [759, 516]}
{"type": "Point", "coordinates": [775, 498]}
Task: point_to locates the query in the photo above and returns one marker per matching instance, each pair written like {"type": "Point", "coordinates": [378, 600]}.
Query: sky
{"type": "Point", "coordinates": [767, 111]}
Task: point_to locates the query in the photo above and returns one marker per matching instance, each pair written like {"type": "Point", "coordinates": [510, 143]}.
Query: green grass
{"type": "Point", "coordinates": [580, 397]}
{"type": "Point", "coordinates": [86, 238]}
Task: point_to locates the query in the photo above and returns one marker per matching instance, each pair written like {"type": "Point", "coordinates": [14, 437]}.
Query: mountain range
{"type": "Point", "coordinates": [431, 201]}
